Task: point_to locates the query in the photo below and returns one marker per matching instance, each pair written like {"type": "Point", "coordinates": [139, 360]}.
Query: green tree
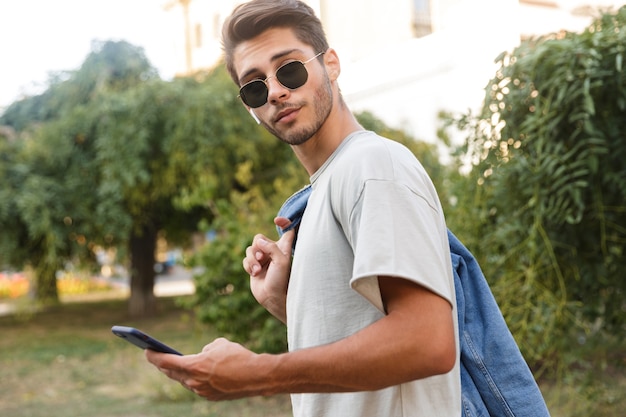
{"type": "Point", "coordinates": [548, 189]}
{"type": "Point", "coordinates": [134, 159]}
{"type": "Point", "coordinates": [48, 206]}
{"type": "Point", "coordinates": [48, 201]}
{"type": "Point", "coordinates": [110, 66]}
{"type": "Point", "coordinates": [167, 152]}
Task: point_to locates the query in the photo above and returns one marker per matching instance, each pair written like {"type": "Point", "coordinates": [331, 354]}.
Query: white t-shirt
{"type": "Point", "coordinates": [373, 211]}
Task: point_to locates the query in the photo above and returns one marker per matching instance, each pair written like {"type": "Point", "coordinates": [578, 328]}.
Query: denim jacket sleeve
{"type": "Point", "coordinates": [495, 379]}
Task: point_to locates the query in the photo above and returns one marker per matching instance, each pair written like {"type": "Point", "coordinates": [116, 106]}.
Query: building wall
{"type": "Point", "coordinates": [358, 28]}
{"type": "Point", "coordinates": [409, 83]}
{"type": "Point", "coordinates": [387, 69]}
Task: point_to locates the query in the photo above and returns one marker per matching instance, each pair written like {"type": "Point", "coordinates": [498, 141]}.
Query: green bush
{"type": "Point", "coordinates": [546, 197]}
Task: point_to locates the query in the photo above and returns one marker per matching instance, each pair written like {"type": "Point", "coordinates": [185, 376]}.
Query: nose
{"type": "Point", "coordinates": [276, 92]}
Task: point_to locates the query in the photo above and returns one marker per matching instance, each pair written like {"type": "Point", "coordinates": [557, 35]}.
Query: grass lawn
{"type": "Point", "coordinates": [66, 362]}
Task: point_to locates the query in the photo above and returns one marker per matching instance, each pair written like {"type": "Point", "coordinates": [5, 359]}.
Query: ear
{"type": "Point", "coordinates": [333, 67]}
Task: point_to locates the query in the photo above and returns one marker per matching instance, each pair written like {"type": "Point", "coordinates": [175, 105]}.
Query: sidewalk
{"type": "Point", "coordinates": [178, 281]}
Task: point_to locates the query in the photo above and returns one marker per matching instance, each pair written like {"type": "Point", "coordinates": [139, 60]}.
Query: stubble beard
{"type": "Point", "coordinates": [322, 105]}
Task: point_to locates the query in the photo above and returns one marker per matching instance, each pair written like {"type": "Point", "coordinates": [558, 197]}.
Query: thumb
{"type": "Point", "coordinates": [162, 360]}
{"type": "Point", "coordinates": [285, 243]}
{"type": "Point", "coordinates": [282, 222]}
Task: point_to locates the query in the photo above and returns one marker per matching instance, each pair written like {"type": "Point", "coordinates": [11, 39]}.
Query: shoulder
{"type": "Point", "coordinates": [370, 145]}
{"type": "Point", "coordinates": [371, 156]}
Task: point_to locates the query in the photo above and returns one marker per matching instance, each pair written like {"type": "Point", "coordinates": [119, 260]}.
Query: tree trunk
{"type": "Point", "coordinates": [46, 291]}
{"type": "Point", "coordinates": [142, 255]}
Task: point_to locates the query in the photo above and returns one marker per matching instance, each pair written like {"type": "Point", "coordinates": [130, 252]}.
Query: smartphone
{"type": "Point", "coordinates": [142, 340]}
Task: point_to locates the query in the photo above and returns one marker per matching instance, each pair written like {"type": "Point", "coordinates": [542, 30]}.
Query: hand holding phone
{"type": "Point", "coordinates": [142, 340]}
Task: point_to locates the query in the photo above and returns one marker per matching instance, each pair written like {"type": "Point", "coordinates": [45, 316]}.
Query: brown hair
{"type": "Point", "coordinates": [251, 19]}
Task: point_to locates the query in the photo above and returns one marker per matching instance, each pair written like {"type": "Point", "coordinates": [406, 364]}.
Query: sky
{"type": "Point", "coordinates": [38, 37]}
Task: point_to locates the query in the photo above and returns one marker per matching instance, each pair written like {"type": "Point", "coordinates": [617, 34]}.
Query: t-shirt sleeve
{"type": "Point", "coordinates": [395, 231]}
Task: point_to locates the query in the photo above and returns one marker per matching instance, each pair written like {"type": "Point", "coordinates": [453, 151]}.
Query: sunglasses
{"type": "Point", "coordinates": [292, 75]}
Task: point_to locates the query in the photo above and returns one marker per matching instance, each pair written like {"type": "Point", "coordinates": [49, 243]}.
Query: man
{"type": "Point", "coordinates": [368, 297]}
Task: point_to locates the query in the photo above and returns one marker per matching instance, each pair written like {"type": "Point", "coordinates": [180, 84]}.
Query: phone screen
{"type": "Point", "coordinates": [142, 340]}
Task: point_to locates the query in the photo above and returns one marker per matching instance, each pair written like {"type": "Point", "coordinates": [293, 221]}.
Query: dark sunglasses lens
{"type": "Point", "coordinates": [292, 75]}
{"type": "Point", "coordinates": [254, 94]}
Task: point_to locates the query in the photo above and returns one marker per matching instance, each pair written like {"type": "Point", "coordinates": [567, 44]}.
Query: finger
{"type": "Point", "coordinates": [286, 242]}
{"type": "Point", "coordinates": [282, 222]}
{"type": "Point", "coordinates": [214, 344]}
{"type": "Point", "coordinates": [163, 361]}
{"type": "Point", "coordinates": [249, 262]}
{"type": "Point", "coordinates": [254, 257]}
{"type": "Point", "coordinates": [276, 252]}
{"type": "Point", "coordinates": [259, 247]}
{"type": "Point", "coordinates": [153, 357]}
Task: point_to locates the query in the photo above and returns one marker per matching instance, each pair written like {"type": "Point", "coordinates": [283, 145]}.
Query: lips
{"type": "Point", "coordinates": [286, 115]}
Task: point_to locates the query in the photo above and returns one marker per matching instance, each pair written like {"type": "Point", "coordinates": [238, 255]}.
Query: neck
{"type": "Point", "coordinates": [314, 152]}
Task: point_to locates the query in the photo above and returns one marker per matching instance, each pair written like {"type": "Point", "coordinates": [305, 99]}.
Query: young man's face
{"type": "Point", "coordinates": [292, 115]}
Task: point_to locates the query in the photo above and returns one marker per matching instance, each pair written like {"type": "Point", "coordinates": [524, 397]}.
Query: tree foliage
{"type": "Point", "coordinates": [183, 145]}
{"type": "Point", "coordinates": [48, 203]}
{"type": "Point", "coordinates": [110, 66]}
{"type": "Point", "coordinates": [549, 215]}
{"type": "Point", "coordinates": [132, 158]}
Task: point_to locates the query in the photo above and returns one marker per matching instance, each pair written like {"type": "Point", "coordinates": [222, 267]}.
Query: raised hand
{"type": "Point", "coordinates": [269, 264]}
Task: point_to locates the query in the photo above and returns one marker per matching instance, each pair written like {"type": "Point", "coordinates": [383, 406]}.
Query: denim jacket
{"type": "Point", "coordinates": [495, 379]}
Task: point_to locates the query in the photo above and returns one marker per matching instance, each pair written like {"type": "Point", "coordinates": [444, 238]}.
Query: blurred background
{"type": "Point", "coordinates": [440, 53]}
{"type": "Point", "coordinates": [132, 180]}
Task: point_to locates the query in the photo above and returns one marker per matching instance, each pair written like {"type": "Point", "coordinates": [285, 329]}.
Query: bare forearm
{"type": "Point", "coordinates": [375, 358]}
{"type": "Point", "coordinates": [416, 339]}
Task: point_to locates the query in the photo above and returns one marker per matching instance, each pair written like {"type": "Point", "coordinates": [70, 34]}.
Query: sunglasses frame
{"type": "Point", "coordinates": [267, 87]}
